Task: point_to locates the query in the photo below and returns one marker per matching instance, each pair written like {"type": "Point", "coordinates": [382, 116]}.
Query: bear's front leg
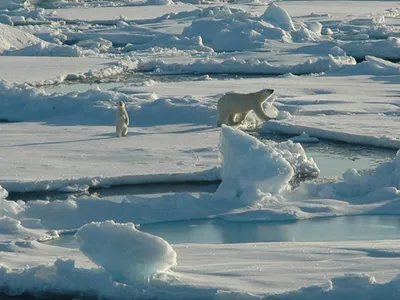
{"type": "Point", "coordinates": [259, 110]}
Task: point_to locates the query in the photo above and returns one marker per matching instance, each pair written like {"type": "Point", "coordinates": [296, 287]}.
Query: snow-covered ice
{"type": "Point", "coordinates": [204, 271]}
{"type": "Point", "coordinates": [3, 193]}
{"type": "Point", "coordinates": [55, 70]}
{"type": "Point", "coordinates": [12, 38]}
{"type": "Point", "coordinates": [126, 253]}
{"type": "Point", "coordinates": [334, 68]}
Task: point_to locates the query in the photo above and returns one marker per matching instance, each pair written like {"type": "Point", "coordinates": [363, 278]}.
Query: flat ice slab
{"type": "Point", "coordinates": [114, 13]}
{"type": "Point", "coordinates": [34, 152]}
{"type": "Point", "coordinates": [25, 69]}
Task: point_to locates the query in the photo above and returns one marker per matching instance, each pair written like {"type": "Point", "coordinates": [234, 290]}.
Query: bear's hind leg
{"type": "Point", "coordinates": [124, 131]}
{"type": "Point", "coordinates": [223, 119]}
{"type": "Point", "coordinates": [231, 119]}
{"type": "Point", "coordinates": [118, 131]}
{"type": "Point", "coordinates": [236, 118]}
{"type": "Point", "coordinates": [240, 117]}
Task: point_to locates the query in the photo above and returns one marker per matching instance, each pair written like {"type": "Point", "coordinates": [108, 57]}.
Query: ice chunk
{"type": "Point", "coordinates": [304, 138]}
{"type": "Point", "coordinates": [8, 224]}
{"type": "Point", "coordinates": [337, 51]}
{"type": "Point", "coordinates": [128, 254]}
{"type": "Point", "coordinates": [248, 163]}
{"type": "Point", "coordinates": [74, 188]}
{"type": "Point", "coordinates": [12, 38]}
{"type": "Point", "coordinates": [46, 49]}
{"type": "Point", "coordinates": [385, 181]}
{"type": "Point", "coordinates": [3, 193]}
{"type": "Point", "coordinates": [278, 17]}
{"type": "Point", "coordinates": [315, 27]}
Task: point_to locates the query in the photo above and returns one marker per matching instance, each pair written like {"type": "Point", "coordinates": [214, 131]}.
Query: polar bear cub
{"type": "Point", "coordinates": [234, 107]}
{"type": "Point", "coordinates": [122, 120]}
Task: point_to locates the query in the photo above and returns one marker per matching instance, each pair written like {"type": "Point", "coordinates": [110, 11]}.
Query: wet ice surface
{"type": "Point", "coordinates": [223, 232]}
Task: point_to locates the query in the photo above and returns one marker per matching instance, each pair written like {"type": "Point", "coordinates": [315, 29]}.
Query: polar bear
{"type": "Point", "coordinates": [234, 107]}
{"type": "Point", "coordinates": [122, 120]}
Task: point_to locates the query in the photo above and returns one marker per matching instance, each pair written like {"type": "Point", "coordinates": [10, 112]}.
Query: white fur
{"type": "Point", "coordinates": [122, 120]}
{"type": "Point", "coordinates": [234, 107]}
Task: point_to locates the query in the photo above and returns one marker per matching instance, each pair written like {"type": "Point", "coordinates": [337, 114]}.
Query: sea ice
{"type": "Point", "coordinates": [128, 254]}
{"type": "Point", "coordinates": [304, 138]}
{"type": "Point", "coordinates": [384, 183]}
{"type": "Point", "coordinates": [3, 193]}
{"type": "Point", "coordinates": [13, 38]}
{"type": "Point", "coordinates": [250, 168]}
{"type": "Point", "coordinates": [278, 17]}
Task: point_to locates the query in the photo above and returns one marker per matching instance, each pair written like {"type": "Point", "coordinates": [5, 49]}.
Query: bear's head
{"type": "Point", "coordinates": [267, 92]}
{"type": "Point", "coordinates": [263, 95]}
{"type": "Point", "coordinates": [121, 104]}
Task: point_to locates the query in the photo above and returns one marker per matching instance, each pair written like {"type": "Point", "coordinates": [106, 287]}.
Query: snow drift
{"type": "Point", "coordinates": [128, 254]}
{"type": "Point", "coordinates": [235, 65]}
{"type": "Point", "coordinates": [21, 102]}
{"type": "Point", "coordinates": [12, 38]}
{"type": "Point", "coordinates": [386, 49]}
{"type": "Point", "coordinates": [46, 49]}
{"type": "Point", "coordinates": [278, 17]}
{"type": "Point", "coordinates": [237, 31]}
{"type": "Point", "coordinates": [8, 225]}
{"type": "Point", "coordinates": [354, 286]}
{"type": "Point", "coordinates": [64, 278]}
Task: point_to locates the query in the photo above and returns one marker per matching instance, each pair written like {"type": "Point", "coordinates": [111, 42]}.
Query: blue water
{"type": "Point", "coordinates": [334, 158]}
{"type": "Point", "coordinates": [313, 230]}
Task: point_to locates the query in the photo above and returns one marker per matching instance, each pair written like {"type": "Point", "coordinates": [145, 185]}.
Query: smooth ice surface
{"type": "Point", "coordinates": [52, 69]}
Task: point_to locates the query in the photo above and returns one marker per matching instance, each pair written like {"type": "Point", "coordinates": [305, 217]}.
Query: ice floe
{"type": "Point", "coordinates": [128, 254]}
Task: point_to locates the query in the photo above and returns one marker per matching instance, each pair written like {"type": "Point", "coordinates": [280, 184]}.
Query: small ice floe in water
{"type": "Point", "coordinates": [304, 138]}
{"type": "Point", "coordinates": [74, 188]}
{"type": "Point", "coordinates": [128, 254]}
